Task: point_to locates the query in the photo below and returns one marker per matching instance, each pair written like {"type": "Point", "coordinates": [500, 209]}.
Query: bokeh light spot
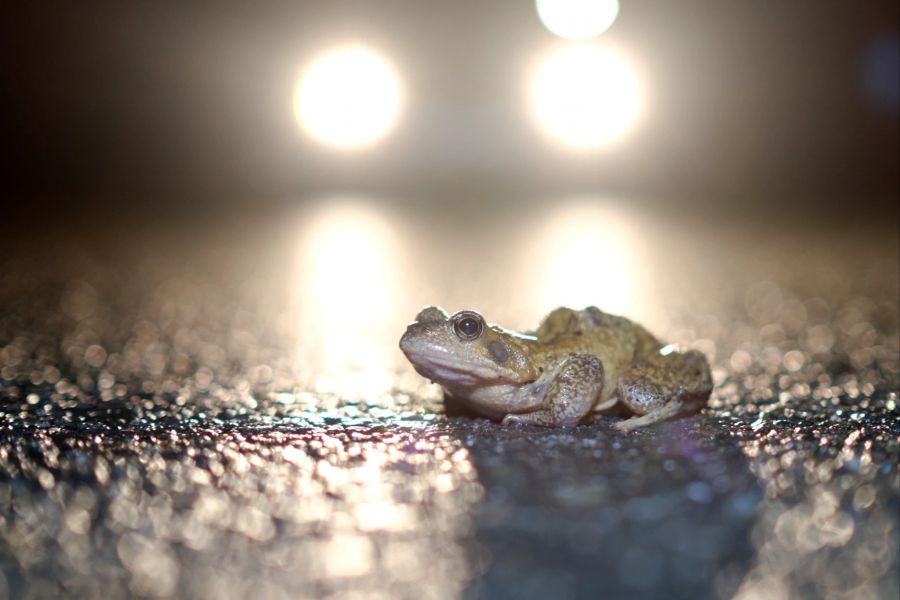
{"type": "Point", "coordinates": [585, 96]}
{"type": "Point", "coordinates": [577, 19]}
{"type": "Point", "coordinates": [348, 98]}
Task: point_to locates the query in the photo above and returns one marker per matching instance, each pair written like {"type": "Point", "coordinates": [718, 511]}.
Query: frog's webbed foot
{"type": "Point", "coordinates": [664, 387]}
{"type": "Point", "coordinates": [572, 390]}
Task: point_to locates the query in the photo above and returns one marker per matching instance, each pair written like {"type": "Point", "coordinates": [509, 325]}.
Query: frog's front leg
{"type": "Point", "coordinates": [664, 387]}
{"type": "Point", "coordinates": [571, 391]}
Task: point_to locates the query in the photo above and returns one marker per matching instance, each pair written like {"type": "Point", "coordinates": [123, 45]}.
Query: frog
{"type": "Point", "coordinates": [575, 365]}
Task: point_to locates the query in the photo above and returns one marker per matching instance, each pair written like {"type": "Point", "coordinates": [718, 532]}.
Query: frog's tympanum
{"type": "Point", "coordinates": [575, 364]}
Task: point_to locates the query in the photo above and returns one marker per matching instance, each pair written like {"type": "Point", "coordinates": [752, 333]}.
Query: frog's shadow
{"type": "Point", "coordinates": [454, 407]}
{"type": "Point", "coordinates": [592, 512]}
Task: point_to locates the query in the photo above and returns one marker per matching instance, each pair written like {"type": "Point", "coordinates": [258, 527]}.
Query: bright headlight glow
{"type": "Point", "coordinates": [585, 95]}
{"type": "Point", "coordinates": [350, 97]}
{"type": "Point", "coordinates": [577, 19]}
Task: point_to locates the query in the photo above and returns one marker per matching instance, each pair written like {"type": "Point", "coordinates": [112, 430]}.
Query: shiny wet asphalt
{"type": "Point", "coordinates": [218, 409]}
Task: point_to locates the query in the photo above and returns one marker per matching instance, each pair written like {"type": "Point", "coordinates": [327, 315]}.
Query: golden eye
{"type": "Point", "coordinates": [468, 325]}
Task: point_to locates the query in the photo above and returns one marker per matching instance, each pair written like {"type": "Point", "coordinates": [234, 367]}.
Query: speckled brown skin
{"type": "Point", "coordinates": [576, 363]}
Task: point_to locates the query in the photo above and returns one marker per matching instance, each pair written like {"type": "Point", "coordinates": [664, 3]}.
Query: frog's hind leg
{"type": "Point", "coordinates": [572, 389]}
{"type": "Point", "coordinates": [664, 387]}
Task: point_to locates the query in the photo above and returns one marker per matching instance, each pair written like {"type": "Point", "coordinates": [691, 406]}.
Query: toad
{"type": "Point", "coordinates": [577, 363]}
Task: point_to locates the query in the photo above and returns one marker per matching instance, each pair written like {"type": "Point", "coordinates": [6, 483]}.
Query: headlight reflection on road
{"type": "Point", "coordinates": [347, 286]}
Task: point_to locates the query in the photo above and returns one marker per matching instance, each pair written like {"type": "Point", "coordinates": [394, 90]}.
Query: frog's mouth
{"type": "Point", "coordinates": [449, 372]}
{"type": "Point", "coordinates": [446, 369]}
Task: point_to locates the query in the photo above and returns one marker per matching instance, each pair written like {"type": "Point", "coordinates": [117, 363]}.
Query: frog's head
{"type": "Point", "coordinates": [462, 351]}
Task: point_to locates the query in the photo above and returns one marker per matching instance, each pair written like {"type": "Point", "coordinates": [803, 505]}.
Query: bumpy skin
{"type": "Point", "coordinates": [576, 363]}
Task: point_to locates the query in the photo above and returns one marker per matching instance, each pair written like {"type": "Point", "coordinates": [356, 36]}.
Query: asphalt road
{"type": "Point", "coordinates": [218, 409]}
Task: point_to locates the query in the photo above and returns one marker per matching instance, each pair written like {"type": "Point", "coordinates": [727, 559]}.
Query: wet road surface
{"type": "Point", "coordinates": [218, 409]}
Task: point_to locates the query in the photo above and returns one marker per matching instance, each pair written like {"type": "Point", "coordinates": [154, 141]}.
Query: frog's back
{"type": "Point", "coordinates": [618, 342]}
{"type": "Point", "coordinates": [610, 337]}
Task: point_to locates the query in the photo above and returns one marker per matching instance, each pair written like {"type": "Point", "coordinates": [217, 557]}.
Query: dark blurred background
{"type": "Point", "coordinates": [182, 105]}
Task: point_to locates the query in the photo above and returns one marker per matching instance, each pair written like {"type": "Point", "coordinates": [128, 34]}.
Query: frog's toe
{"type": "Point", "coordinates": [511, 419]}
{"type": "Point", "coordinates": [626, 425]}
{"type": "Point", "coordinates": [541, 418]}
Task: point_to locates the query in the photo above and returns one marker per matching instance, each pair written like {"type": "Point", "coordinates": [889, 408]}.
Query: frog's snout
{"type": "Point", "coordinates": [407, 340]}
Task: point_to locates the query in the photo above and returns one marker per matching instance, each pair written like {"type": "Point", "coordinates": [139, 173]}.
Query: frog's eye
{"type": "Point", "coordinates": [467, 325]}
